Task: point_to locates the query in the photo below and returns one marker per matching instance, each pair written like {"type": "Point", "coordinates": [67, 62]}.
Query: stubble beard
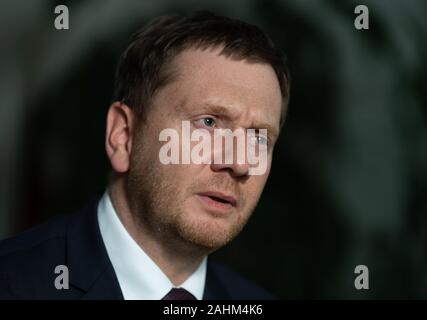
{"type": "Point", "coordinates": [158, 205]}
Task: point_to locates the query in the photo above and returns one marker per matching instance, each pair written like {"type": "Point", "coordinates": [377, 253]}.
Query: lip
{"type": "Point", "coordinates": [217, 201]}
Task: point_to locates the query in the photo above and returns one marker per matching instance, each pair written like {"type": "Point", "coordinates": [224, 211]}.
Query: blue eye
{"type": "Point", "coordinates": [208, 122]}
{"type": "Point", "coordinates": [261, 140]}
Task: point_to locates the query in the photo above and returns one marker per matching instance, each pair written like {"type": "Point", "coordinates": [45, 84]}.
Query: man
{"type": "Point", "coordinates": [149, 235]}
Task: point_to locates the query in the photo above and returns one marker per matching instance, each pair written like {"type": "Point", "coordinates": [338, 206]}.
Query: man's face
{"type": "Point", "coordinates": [203, 205]}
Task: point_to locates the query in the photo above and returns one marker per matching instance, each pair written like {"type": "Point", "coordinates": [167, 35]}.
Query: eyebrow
{"type": "Point", "coordinates": [218, 109]}
{"type": "Point", "coordinates": [271, 131]}
{"type": "Point", "coordinates": [221, 110]}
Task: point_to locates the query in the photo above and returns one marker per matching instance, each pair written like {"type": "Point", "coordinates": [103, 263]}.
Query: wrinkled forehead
{"type": "Point", "coordinates": [206, 76]}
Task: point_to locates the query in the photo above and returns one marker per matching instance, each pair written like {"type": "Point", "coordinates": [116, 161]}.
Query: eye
{"type": "Point", "coordinates": [261, 140]}
{"type": "Point", "coordinates": [206, 122]}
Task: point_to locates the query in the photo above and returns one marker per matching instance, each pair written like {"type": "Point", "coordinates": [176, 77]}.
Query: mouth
{"type": "Point", "coordinates": [217, 201]}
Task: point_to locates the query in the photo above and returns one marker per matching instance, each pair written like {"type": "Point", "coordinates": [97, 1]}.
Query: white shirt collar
{"type": "Point", "coordinates": [139, 277]}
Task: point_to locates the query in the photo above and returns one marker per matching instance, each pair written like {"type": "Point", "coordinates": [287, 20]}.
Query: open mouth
{"type": "Point", "coordinates": [217, 200]}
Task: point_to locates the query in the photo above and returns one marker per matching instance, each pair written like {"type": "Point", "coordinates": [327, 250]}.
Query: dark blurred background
{"type": "Point", "coordinates": [349, 178]}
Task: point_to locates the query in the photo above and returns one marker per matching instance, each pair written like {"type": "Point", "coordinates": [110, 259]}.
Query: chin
{"type": "Point", "coordinates": [208, 233]}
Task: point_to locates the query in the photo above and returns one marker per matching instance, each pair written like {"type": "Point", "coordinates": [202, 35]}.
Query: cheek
{"type": "Point", "coordinates": [254, 188]}
{"type": "Point", "coordinates": [260, 183]}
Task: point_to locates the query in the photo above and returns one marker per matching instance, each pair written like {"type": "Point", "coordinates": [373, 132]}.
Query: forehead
{"type": "Point", "coordinates": [206, 77]}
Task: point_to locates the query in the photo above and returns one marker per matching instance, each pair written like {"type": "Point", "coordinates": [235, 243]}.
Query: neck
{"type": "Point", "coordinates": [160, 248]}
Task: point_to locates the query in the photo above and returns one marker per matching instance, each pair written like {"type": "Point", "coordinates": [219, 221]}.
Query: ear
{"type": "Point", "coordinates": [118, 137]}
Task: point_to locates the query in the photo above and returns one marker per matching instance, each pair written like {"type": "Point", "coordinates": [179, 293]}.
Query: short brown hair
{"type": "Point", "coordinates": [142, 68]}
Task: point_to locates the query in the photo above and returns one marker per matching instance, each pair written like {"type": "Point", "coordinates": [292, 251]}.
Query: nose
{"type": "Point", "coordinates": [236, 169]}
{"type": "Point", "coordinates": [230, 156]}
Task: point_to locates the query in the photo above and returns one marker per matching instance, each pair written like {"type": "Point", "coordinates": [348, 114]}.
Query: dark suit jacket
{"type": "Point", "coordinates": [28, 261]}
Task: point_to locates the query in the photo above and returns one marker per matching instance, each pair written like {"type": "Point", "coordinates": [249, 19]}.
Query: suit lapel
{"type": "Point", "coordinates": [89, 266]}
{"type": "Point", "coordinates": [106, 287]}
{"type": "Point", "coordinates": [214, 289]}
{"type": "Point", "coordinates": [91, 270]}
